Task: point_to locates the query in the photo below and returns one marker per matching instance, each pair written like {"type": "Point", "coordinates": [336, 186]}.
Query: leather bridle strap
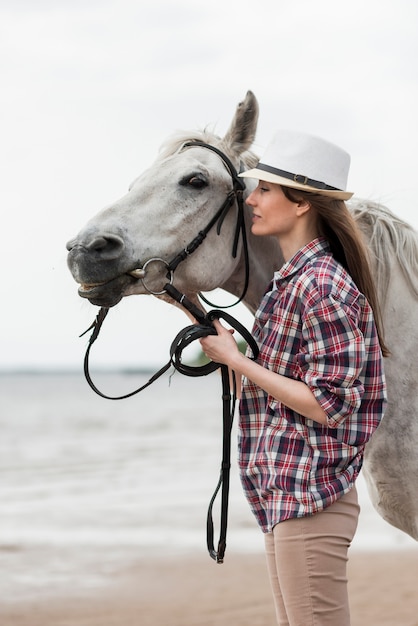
{"type": "Point", "coordinates": [237, 193]}
{"type": "Point", "coordinates": [181, 341]}
{"type": "Point", "coordinates": [193, 245]}
{"type": "Point", "coordinates": [228, 411]}
{"type": "Point", "coordinates": [96, 326]}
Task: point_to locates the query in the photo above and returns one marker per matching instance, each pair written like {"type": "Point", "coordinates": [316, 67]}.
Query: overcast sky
{"type": "Point", "coordinates": [90, 89]}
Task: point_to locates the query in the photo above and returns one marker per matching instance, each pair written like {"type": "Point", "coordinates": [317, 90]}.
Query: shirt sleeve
{"type": "Point", "coordinates": [332, 357]}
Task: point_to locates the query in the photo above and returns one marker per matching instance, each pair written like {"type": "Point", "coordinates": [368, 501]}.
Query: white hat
{"type": "Point", "coordinates": [302, 161]}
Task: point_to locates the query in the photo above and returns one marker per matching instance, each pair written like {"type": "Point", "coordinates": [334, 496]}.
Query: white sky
{"type": "Point", "coordinates": [90, 89]}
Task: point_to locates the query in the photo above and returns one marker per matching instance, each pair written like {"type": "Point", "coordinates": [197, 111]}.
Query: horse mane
{"type": "Point", "coordinates": [176, 140]}
{"type": "Point", "coordinates": [389, 236]}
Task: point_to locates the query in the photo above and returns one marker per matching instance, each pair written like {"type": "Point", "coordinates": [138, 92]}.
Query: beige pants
{"type": "Point", "coordinates": [307, 563]}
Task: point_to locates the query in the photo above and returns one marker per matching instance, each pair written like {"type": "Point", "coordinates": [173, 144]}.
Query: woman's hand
{"type": "Point", "coordinates": [221, 348]}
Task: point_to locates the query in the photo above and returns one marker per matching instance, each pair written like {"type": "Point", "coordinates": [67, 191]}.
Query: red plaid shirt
{"type": "Point", "coordinates": [315, 326]}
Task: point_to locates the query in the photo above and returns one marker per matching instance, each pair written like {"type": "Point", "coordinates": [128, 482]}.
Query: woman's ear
{"type": "Point", "coordinates": [303, 207]}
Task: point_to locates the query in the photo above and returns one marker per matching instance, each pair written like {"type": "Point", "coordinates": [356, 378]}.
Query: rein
{"type": "Point", "coordinates": [193, 332]}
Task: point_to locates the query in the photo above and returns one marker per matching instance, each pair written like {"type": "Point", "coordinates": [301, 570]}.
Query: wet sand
{"type": "Point", "coordinates": [187, 590]}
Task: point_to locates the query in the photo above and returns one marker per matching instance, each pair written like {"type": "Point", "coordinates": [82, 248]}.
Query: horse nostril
{"type": "Point", "coordinates": [106, 246]}
{"type": "Point", "coordinates": [71, 244]}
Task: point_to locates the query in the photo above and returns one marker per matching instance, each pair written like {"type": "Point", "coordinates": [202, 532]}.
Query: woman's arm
{"type": "Point", "coordinates": [295, 394]}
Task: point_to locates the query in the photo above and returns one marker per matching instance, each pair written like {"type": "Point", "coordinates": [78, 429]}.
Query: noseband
{"type": "Point", "coordinates": [191, 333]}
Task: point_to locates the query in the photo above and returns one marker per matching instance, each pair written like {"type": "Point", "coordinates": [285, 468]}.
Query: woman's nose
{"type": "Point", "coordinates": [250, 199]}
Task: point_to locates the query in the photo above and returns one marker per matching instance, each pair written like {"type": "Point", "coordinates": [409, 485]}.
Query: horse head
{"type": "Point", "coordinates": [126, 248]}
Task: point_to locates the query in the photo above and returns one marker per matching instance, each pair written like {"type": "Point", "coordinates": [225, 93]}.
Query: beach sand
{"type": "Point", "coordinates": [190, 590]}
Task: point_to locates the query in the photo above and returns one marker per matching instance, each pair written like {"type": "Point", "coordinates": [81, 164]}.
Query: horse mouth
{"type": "Point", "coordinates": [85, 289]}
{"type": "Point", "coordinates": [107, 293]}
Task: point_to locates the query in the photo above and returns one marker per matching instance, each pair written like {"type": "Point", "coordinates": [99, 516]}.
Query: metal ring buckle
{"type": "Point", "coordinates": [153, 260]}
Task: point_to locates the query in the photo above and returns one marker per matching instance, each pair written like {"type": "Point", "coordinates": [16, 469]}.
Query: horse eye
{"type": "Point", "coordinates": [197, 181]}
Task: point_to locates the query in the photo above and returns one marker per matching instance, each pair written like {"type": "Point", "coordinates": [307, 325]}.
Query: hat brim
{"type": "Point", "coordinates": [287, 182]}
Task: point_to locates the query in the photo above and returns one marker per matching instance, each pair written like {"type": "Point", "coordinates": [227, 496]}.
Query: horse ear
{"type": "Point", "coordinates": [241, 132]}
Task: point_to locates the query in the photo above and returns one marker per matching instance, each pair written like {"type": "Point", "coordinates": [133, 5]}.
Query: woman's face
{"type": "Point", "coordinates": [273, 213]}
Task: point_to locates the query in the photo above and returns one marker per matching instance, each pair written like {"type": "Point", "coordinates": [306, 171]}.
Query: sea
{"type": "Point", "coordinates": [81, 475]}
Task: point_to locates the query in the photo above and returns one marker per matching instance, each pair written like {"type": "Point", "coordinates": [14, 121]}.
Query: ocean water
{"type": "Point", "coordinates": [78, 469]}
{"type": "Point", "coordinates": [81, 473]}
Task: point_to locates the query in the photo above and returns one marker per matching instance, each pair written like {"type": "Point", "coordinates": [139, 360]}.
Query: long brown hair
{"type": "Point", "coordinates": [338, 226]}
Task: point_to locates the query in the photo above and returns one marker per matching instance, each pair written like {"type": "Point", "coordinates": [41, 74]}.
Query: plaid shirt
{"type": "Point", "coordinates": [315, 326]}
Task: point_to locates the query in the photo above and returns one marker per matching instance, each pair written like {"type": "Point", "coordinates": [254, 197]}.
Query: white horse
{"type": "Point", "coordinates": [128, 247]}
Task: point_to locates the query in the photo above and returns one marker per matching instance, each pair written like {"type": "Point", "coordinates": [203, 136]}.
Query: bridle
{"type": "Point", "coordinates": [191, 333]}
{"type": "Point", "coordinates": [235, 195]}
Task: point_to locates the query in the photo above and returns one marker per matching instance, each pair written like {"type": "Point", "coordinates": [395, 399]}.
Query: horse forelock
{"type": "Point", "coordinates": [389, 238]}
{"type": "Point", "coordinates": [176, 141]}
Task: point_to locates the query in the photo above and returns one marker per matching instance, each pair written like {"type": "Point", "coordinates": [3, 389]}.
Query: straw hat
{"type": "Point", "coordinates": [302, 161]}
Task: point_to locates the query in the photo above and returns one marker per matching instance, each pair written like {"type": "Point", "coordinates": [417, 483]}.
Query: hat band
{"type": "Point", "coordinates": [297, 178]}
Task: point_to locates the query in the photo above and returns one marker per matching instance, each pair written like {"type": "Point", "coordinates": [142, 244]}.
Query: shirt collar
{"type": "Point", "coordinates": [317, 247]}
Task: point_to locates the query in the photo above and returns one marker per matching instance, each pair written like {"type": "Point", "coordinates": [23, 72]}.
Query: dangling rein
{"type": "Point", "coordinates": [184, 338]}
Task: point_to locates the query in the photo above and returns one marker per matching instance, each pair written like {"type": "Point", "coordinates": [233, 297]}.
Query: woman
{"type": "Point", "coordinates": [316, 393]}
